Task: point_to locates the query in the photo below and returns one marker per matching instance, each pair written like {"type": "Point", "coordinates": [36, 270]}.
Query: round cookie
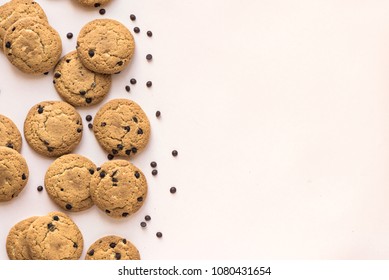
{"type": "Point", "coordinates": [9, 134]}
{"type": "Point", "coordinates": [16, 245]}
{"type": "Point", "coordinates": [78, 85]}
{"type": "Point", "coordinates": [54, 237]}
{"type": "Point", "coordinates": [119, 188]}
{"type": "Point", "coordinates": [105, 46]}
{"type": "Point", "coordinates": [53, 128]}
{"type": "Point", "coordinates": [12, 11]}
{"type": "Point", "coordinates": [122, 127]}
{"type": "Point", "coordinates": [68, 180]}
{"type": "Point", "coordinates": [32, 46]}
{"type": "Point", "coordinates": [112, 248]}
{"type": "Point", "coordinates": [94, 3]}
{"type": "Point", "coordinates": [13, 173]}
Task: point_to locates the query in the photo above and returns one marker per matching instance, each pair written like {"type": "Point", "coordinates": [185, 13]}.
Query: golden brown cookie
{"type": "Point", "coordinates": [105, 46]}
{"type": "Point", "coordinates": [32, 46]}
{"type": "Point", "coordinates": [112, 248]}
{"type": "Point", "coordinates": [119, 188]}
{"type": "Point", "coordinates": [94, 3]}
{"type": "Point", "coordinates": [12, 11]}
{"type": "Point", "coordinates": [78, 85]}
{"type": "Point", "coordinates": [53, 128]}
{"type": "Point", "coordinates": [122, 127]}
{"type": "Point", "coordinates": [54, 237]}
{"type": "Point", "coordinates": [68, 180]}
{"type": "Point", "coordinates": [9, 134]}
{"type": "Point", "coordinates": [13, 173]}
{"type": "Point", "coordinates": [16, 245]}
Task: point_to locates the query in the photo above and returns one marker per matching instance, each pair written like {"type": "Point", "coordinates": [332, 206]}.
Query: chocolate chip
{"type": "Point", "coordinates": [149, 57]}
{"type": "Point", "coordinates": [173, 190]}
{"type": "Point", "coordinates": [82, 92]}
{"type": "Point", "coordinates": [46, 143]}
{"type": "Point", "coordinates": [110, 156]}
{"type": "Point", "coordinates": [79, 130]}
{"type": "Point", "coordinates": [53, 81]}
{"type": "Point", "coordinates": [143, 224]}
{"type": "Point", "coordinates": [102, 174]}
{"type": "Point", "coordinates": [68, 60]}
{"type": "Point", "coordinates": [149, 83]}
{"type": "Point", "coordinates": [98, 168]}
{"type": "Point", "coordinates": [136, 174]}
{"type": "Point", "coordinates": [128, 152]}
{"type": "Point", "coordinates": [118, 256]}
{"type": "Point", "coordinates": [102, 11]}
{"type": "Point", "coordinates": [8, 45]}
{"type": "Point", "coordinates": [124, 241]}
{"type": "Point", "coordinates": [120, 63]}
{"type": "Point", "coordinates": [115, 185]}
{"type": "Point", "coordinates": [13, 29]}
{"type": "Point", "coordinates": [135, 119]}
{"type": "Point", "coordinates": [93, 85]}
{"type": "Point", "coordinates": [114, 151]}
{"type": "Point", "coordinates": [9, 145]}
{"type": "Point", "coordinates": [75, 245]}
{"type": "Point", "coordinates": [140, 199]}
{"type": "Point", "coordinates": [107, 211]}
{"type": "Point", "coordinates": [132, 17]}
{"type": "Point", "coordinates": [125, 214]}
{"type": "Point", "coordinates": [147, 218]}
{"type": "Point", "coordinates": [159, 234]}
{"type": "Point", "coordinates": [24, 177]}
{"type": "Point", "coordinates": [133, 81]}
{"type": "Point", "coordinates": [140, 131]}
{"type": "Point", "coordinates": [69, 35]}
{"type": "Point", "coordinates": [62, 189]}
{"type": "Point", "coordinates": [57, 75]}
{"type": "Point", "coordinates": [103, 124]}
{"type": "Point", "coordinates": [91, 252]}
{"type": "Point", "coordinates": [68, 206]}
{"type": "Point", "coordinates": [50, 149]}
{"type": "Point", "coordinates": [55, 218]}
{"type": "Point", "coordinates": [112, 245]}
{"type": "Point", "coordinates": [120, 147]}
{"type": "Point", "coordinates": [136, 29]}
{"type": "Point", "coordinates": [46, 73]}
{"type": "Point", "coordinates": [153, 164]}
{"type": "Point", "coordinates": [39, 188]}
{"type": "Point", "coordinates": [90, 125]}
{"type": "Point", "coordinates": [88, 118]}
{"type": "Point", "coordinates": [127, 128]}
{"type": "Point", "coordinates": [149, 33]}
{"type": "Point", "coordinates": [154, 172]}
{"type": "Point", "coordinates": [91, 53]}
{"type": "Point", "coordinates": [88, 100]}
{"type": "Point", "coordinates": [134, 150]}
{"type": "Point", "coordinates": [115, 180]}
{"type": "Point", "coordinates": [158, 114]}
{"type": "Point", "coordinates": [128, 88]}
{"type": "Point", "coordinates": [50, 226]}
{"type": "Point", "coordinates": [91, 171]}
{"type": "Point", "coordinates": [97, 5]}
{"type": "Point", "coordinates": [174, 153]}
{"type": "Point", "coordinates": [40, 109]}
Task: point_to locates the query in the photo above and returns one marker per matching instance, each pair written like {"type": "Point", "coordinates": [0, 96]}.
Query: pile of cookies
{"type": "Point", "coordinates": [54, 129]}
{"type": "Point", "coordinates": [56, 237]}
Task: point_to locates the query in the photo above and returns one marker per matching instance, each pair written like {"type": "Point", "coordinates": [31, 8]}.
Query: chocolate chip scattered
{"type": "Point", "coordinates": [102, 11]}
{"type": "Point", "coordinates": [115, 185]}
{"type": "Point", "coordinates": [39, 188]}
{"type": "Point", "coordinates": [8, 45]}
{"type": "Point", "coordinates": [53, 81]}
{"type": "Point", "coordinates": [174, 153]}
{"type": "Point", "coordinates": [40, 109]}
{"type": "Point", "coordinates": [118, 256]}
{"type": "Point", "coordinates": [24, 177]}
{"type": "Point", "coordinates": [158, 114]}
{"type": "Point", "coordinates": [62, 189]}
{"type": "Point", "coordinates": [82, 92]}
{"type": "Point", "coordinates": [98, 168]}
{"type": "Point", "coordinates": [140, 199]}
{"type": "Point", "coordinates": [128, 88]}
{"type": "Point", "coordinates": [149, 57]}
{"type": "Point", "coordinates": [136, 29]}
{"type": "Point", "coordinates": [50, 149]}
{"type": "Point", "coordinates": [132, 17]}
{"type": "Point", "coordinates": [134, 150]}
{"type": "Point", "coordinates": [107, 211]}
{"type": "Point", "coordinates": [125, 214]}
{"type": "Point", "coordinates": [9, 145]}
{"type": "Point", "coordinates": [173, 190]}
{"type": "Point", "coordinates": [91, 171]}
{"type": "Point", "coordinates": [114, 151]}
{"type": "Point", "coordinates": [55, 218]}
{"type": "Point", "coordinates": [133, 81]}
{"type": "Point", "coordinates": [110, 156]}
{"type": "Point", "coordinates": [75, 245]}
{"type": "Point", "coordinates": [120, 147]}
{"type": "Point", "coordinates": [127, 128]}
{"type": "Point", "coordinates": [57, 75]}
{"type": "Point", "coordinates": [112, 245]}
{"type": "Point", "coordinates": [135, 119]}
{"type": "Point", "coordinates": [88, 100]}
{"type": "Point", "coordinates": [91, 53]}
{"type": "Point", "coordinates": [91, 252]}
{"type": "Point", "coordinates": [128, 152]}
{"type": "Point", "coordinates": [115, 180]}
{"type": "Point", "coordinates": [149, 33]}
{"type": "Point", "coordinates": [136, 174]}
{"type": "Point", "coordinates": [97, 5]}
{"type": "Point", "coordinates": [149, 83]}
{"type": "Point", "coordinates": [140, 131]}
{"type": "Point", "coordinates": [120, 63]}
{"type": "Point", "coordinates": [50, 226]}
{"type": "Point", "coordinates": [88, 118]}
{"type": "Point", "coordinates": [79, 130]}
{"type": "Point", "coordinates": [159, 234]}
{"type": "Point", "coordinates": [143, 224]}
{"type": "Point", "coordinates": [103, 124]}
{"type": "Point", "coordinates": [46, 73]}
{"type": "Point", "coordinates": [124, 241]}
{"type": "Point", "coordinates": [68, 206]}
{"type": "Point", "coordinates": [147, 218]}
{"type": "Point", "coordinates": [13, 29]}
{"type": "Point", "coordinates": [153, 164]}
{"type": "Point", "coordinates": [69, 35]}
{"type": "Point", "coordinates": [68, 60]}
{"type": "Point", "coordinates": [102, 174]}
{"type": "Point", "coordinates": [90, 125]}
{"type": "Point", "coordinates": [154, 172]}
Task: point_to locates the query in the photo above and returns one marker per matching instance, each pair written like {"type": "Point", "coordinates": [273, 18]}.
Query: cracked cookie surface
{"type": "Point", "coordinates": [67, 182]}
{"type": "Point", "coordinates": [9, 134]}
{"type": "Point", "coordinates": [119, 188]}
{"type": "Point", "coordinates": [94, 3]}
{"type": "Point", "coordinates": [16, 245]}
{"type": "Point", "coordinates": [32, 46]}
{"type": "Point", "coordinates": [55, 237]}
{"type": "Point", "coordinates": [13, 173]}
{"type": "Point", "coordinates": [112, 247]}
{"type": "Point", "coordinates": [15, 10]}
{"type": "Point", "coordinates": [121, 127]}
{"type": "Point", "coordinates": [53, 128]}
{"type": "Point", "coordinates": [105, 46]}
{"type": "Point", "coordinates": [78, 85]}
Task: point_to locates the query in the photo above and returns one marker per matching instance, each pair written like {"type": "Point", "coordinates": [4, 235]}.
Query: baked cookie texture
{"type": "Point", "coordinates": [112, 247]}
{"type": "Point", "coordinates": [78, 85]}
{"type": "Point", "coordinates": [13, 173]}
{"type": "Point", "coordinates": [32, 45]}
{"type": "Point", "coordinates": [94, 3]}
{"type": "Point", "coordinates": [67, 182]}
{"type": "Point", "coordinates": [121, 127]}
{"type": "Point", "coordinates": [15, 10]}
{"type": "Point", "coordinates": [54, 237]}
{"type": "Point", "coordinates": [53, 128]}
{"type": "Point", "coordinates": [9, 134]}
{"type": "Point", "coordinates": [105, 46]}
{"type": "Point", "coordinates": [119, 188]}
{"type": "Point", "coordinates": [16, 245]}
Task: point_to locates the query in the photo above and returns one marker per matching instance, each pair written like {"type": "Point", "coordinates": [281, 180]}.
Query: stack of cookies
{"type": "Point", "coordinates": [26, 37]}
